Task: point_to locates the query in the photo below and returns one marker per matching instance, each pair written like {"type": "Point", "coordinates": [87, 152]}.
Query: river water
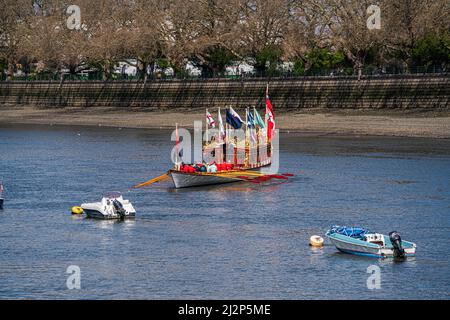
{"type": "Point", "coordinates": [237, 241]}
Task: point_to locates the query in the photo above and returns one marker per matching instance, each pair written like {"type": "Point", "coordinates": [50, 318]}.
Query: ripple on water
{"type": "Point", "coordinates": [234, 241]}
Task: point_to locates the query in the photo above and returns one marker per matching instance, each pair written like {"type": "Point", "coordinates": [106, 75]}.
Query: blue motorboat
{"type": "Point", "coordinates": [360, 241]}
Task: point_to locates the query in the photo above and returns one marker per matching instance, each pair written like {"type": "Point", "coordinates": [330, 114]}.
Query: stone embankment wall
{"type": "Point", "coordinates": [390, 92]}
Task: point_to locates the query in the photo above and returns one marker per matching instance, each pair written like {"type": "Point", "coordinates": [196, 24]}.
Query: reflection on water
{"type": "Point", "coordinates": [240, 240]}
{"type": "Point", "coordinates": [231, 187]}
{"type": "Point", "coordinates": [109, 224]}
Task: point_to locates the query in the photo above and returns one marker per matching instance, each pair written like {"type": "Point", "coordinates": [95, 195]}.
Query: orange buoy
{"type": "Point", "coordinates": [316, 241]}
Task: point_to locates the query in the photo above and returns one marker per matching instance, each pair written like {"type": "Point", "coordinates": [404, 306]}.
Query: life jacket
{"type": "Point", "coordinates": [187, 168]}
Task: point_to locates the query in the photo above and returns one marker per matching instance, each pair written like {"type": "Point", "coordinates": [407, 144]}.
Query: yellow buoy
{"type": "Point", "coordinates": [77, 210]}
{"type": "Point", "coordinates": [316, 241]}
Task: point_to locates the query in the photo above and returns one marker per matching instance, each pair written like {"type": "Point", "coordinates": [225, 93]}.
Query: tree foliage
{"type": "Point", "coordinates": [212, 34]}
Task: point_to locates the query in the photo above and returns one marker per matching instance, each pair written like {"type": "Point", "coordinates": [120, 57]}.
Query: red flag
{"type": "Point", "coordinates": [270, 117]}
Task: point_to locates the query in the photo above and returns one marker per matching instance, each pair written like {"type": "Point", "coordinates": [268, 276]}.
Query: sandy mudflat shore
{"type": "Point", "coordinates": [398, 123]}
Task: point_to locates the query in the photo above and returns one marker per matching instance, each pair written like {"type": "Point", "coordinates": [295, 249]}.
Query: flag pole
{"type": "Point", "coordinates": [219, 122]}
{"type": "Point", "coordinates": [206, 128]}
{"type": "Point", "coordinates": [227, 136]}
{"type": "Point", "coordinates": [257, 135]}
{"type": "Point", "coordinates": [177, 141]}
{"type": "Point", "coordinates": [220, 138]}
{"type": "Point", "coordinates": [247, 142]}
{"type": "Point", "coordinates": [266, 117]}
{"type": "Point", "coordinates": [271, 112]}
{"type": "Point", "coordinates": [246, 124]}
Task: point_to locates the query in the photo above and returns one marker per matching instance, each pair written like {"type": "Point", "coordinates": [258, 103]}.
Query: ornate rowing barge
{"type": "Point", "coordinates": [246, 155]}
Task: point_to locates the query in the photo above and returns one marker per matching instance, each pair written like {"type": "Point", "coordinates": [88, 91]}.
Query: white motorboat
{"type": "Point", "coordinates": [112, 206]}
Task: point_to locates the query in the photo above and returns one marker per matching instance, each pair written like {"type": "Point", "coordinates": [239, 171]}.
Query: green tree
{"type": "Point", "coordinates": [320, 59]}
{"type": "Point", "coordinates": [214, 60]}
{"type": "Point", "coordinates": [266, 60]}
{"type": "Point", "coordinates": [432, 50]}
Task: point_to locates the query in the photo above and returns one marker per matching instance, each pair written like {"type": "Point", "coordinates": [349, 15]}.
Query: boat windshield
{"type": "Point", "coordinates": [112, 195]}
{"type": "Point", "coordinates": [354, 232]}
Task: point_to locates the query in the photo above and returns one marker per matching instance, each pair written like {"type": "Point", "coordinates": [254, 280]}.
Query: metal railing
{"type": "Point", "coordinates": [369, 71]}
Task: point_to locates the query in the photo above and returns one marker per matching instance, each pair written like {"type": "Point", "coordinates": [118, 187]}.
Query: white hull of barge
{"type": "Point", "coordinates": [197, 179]}
{"type": "Point", "coordinates": [185, 180]}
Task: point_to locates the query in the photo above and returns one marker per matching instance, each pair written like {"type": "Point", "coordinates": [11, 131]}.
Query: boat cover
{"type": "Point", "coordinates": [354, 232]}
{"type": "Point", "coordinates": [112, 195]}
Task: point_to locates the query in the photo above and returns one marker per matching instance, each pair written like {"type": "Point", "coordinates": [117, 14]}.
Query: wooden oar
{"type": "Point", "coordinates": [248, 172]}
{"type": "Point", "coordinates": [288, 174]}
{"type": "Point", "coordinates": [227, 176]}
{"type": "Point", "coordinates": [249, 175]}
{"type": "Point", "coordinates": [255, 177]}
{"type": "Point", "coordinates": [241, 172]}
{"type": "Point", "coordinates": [240, 177]}
{"type": "Point", "coordinates": [146, 183]}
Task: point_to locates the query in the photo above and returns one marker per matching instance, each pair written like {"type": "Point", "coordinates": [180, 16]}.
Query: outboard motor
{"type": "Point", "coordinates": [120, 210]}
{"type": "Point", "coordinates": [396, 241]}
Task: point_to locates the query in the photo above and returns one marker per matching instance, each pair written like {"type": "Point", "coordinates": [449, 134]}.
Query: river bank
{"type": "Point", "coordinates": [344, 122]}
